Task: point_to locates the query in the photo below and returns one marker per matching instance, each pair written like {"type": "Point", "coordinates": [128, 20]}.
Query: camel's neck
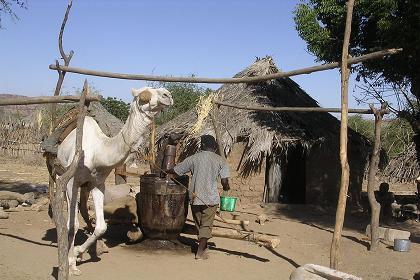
{"type": "Point", "coordinates": [118, 147]}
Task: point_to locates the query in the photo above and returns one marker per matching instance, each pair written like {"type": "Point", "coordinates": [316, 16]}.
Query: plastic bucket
{"type": "Point", "coordinates": [227, 203]}
{"type": "Point", "coordinates": [402, 245]}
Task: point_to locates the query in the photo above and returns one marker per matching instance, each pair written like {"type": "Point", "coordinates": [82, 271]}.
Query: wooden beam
{"type": "Point", "coordinates": [344, 185]}
{"type": "Point", "coordinates": [293, 109]}
{"type": "Point", "coordinates": [44, 100]}
{"type": "Point", "coordinates": [316, 68]}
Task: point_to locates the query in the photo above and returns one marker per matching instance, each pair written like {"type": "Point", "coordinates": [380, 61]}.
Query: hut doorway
{"type": "Point", "coordinates": [286, 177]}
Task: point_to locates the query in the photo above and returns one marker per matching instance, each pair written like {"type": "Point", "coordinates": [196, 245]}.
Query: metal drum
{"type": "Point", "coordinates": [162, 206]}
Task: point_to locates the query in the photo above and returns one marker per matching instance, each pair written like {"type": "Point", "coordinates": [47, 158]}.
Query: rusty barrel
{"type": "Point", "coordinates": [162, 206]}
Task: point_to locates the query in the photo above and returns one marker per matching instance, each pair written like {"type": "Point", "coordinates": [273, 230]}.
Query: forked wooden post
{"type": "Point", "coordinates": [373, 168]}
{"type": "Point", "coordinates": [58, 199]}
{"type": "Point", "coordinates": [66, 59]}
{"type": "Point", "coordinates": [61, 74]}
{"type": "Point", "coordinates": [341, 207]}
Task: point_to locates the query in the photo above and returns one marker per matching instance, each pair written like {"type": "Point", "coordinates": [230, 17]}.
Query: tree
{"type": "Point", "coordinates": [396, 133]}
{"type": "Point", "coordinates": [377, 24]}
{"type": "Point", "coordinates": [7, 7]}
{"type": "Point", "coordinates": [116, 107]}
{"type": "Point", "coordinates": [185, 96]}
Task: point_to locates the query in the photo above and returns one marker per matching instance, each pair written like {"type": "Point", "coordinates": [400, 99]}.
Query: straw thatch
{"type": "Point", "coordinates": [264, 132]}
{"type": "Point", "coordinates": [404, 167]}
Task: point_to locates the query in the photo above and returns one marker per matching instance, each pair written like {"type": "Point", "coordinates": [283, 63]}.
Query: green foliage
{"type": "Point", "coordinates": [116, 107]}
{"type": "Point", "coordinates": [396, 134]}
{"type": "Point", "coordinates": [362, 126]}
{"type": "Point", "coordinates": [377, 24]}
{"type": "Point", "coordinates": [185, 96]}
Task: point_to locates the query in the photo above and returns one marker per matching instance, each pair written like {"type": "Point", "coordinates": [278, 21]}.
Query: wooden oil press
{"type": "Point", "coordinates": [162, 203]}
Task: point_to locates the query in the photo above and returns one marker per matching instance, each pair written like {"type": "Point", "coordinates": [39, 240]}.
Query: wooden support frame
{"type": "Point", "coordinates": [345, 170]}
{"type": "Point", "coordinates": [373, 168]}
{"type": "Point", "coordinates": [344, 64]}
{"type": "Point", "coordinates": [293, 109]}
{"type": "Point", "coordinates": [308, 70]}
{"type": "Point", "coordinates": [56, 188]}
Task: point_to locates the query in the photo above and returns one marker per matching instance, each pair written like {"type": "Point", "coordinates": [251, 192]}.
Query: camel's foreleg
{"type": "Point", "coordinates": [72, 224]}
{"type": "Point", "coordinates": [100, 226]}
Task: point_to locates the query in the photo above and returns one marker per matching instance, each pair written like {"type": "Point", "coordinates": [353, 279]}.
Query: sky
{"type": "Point", "coordinates": [162, 37]}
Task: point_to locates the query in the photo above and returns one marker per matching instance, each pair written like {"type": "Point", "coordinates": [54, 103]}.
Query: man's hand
{"type": "Point", "coordinates": [225, 184]}
{"type": "Point", "coordinates": [170, 171]}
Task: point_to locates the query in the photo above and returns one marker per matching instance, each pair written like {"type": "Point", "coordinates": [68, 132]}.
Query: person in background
{"type": "Point", "coordinates": [385, 198]}
{"type": "Point", "coordinates": [206, 167]}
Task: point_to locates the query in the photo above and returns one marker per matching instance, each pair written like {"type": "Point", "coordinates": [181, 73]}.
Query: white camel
{"type": "Point", "coordinates": [101, 155]}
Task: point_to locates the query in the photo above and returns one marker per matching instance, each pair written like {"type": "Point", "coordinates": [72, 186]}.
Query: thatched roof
{"type": "Point", "coordinates": [404, 167]}
{"type": "Point", "coordinates": [265, 131]}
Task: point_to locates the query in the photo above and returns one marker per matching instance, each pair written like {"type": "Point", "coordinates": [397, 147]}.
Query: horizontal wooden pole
{"type": "Point", "coordinates": [44, 99]}
{"type": "Point", "coordinates": [293, 109]}
{"type": "Point", "coordinates": [317, 68]}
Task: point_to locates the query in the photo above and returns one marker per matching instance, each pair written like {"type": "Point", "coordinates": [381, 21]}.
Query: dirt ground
{"type": "Point", "coordinates": [28, 248]}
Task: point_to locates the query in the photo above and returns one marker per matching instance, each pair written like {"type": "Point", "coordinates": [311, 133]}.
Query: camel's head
{"type": "Point", "coordinates": [152, 100]}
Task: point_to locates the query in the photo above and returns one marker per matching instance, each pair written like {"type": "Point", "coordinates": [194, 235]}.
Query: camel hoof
{"type": "Point", "coordinates": [101, 247]}
{"type": "Point", "coordinates": [75, 271]}
{"type": "Point", "coordinates": [78, 253]}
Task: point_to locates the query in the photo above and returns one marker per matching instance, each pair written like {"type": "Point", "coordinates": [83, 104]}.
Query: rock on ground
{"type": "Point", "coordinates": [3, 215]}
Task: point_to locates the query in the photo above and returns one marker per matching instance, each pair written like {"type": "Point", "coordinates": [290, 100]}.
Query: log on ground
{"type": "Point", "coordinates": [263, 239]}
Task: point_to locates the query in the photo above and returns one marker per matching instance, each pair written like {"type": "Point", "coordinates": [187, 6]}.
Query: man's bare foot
{"type": "Point", "coordinates": [203, 256]}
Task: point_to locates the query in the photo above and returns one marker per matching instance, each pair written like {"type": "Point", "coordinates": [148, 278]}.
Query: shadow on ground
{"type": "Point", "coordinates": [324, 219]}
{"type": "Point", "coordinates": [22, 187]}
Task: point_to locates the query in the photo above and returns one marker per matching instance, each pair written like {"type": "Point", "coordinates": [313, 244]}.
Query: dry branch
{"type": "Point", "coordinates": [342, 198]}
{"type": "Point", "coordinates": [66, 58]}
{"type": "Point", "coordinates": [317, 68]}
{"type": "Point", "coordinates": [293, 109]}
{"type": "Point", "coordinates": [44, 100]}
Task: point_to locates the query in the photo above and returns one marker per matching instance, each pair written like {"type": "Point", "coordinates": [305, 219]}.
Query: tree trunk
{"type": "Point", "coordinates": [373, 168]}
{"type": "Point", "coordinates": [415, 120]}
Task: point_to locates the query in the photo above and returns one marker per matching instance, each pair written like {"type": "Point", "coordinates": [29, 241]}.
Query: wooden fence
{"type": "Point", "coordinates": [19, 139]}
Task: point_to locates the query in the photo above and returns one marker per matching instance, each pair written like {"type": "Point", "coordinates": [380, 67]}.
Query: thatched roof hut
{"type": "Point", "coordinates": [404, 168]}
{"type": "Point", "coordinates": [267, 135]}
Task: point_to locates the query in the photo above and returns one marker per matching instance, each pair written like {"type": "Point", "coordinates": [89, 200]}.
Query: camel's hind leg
{"type": "Point", "coordinates": [83, 206]}
{"type": "Point", "coordinates": [100, 226]}
{"type": "Point", "coordinates": [72, 224]}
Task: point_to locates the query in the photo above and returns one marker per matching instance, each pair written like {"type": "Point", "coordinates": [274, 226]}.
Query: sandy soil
{"type": "Point", "coordinates": [28, 246]}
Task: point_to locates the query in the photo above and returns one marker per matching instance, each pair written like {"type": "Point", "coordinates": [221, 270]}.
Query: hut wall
{"type": "Point", "coordinates": [323, 175]}
{"type": "Point", "coordinates": [250, 189]}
